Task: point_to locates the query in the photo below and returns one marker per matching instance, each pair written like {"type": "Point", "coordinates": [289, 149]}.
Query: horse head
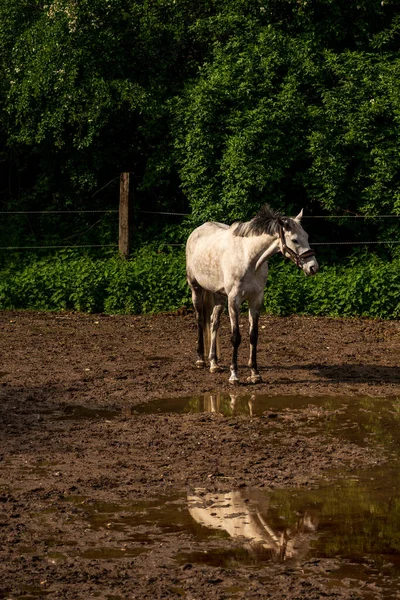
{"type": "Point", "coordinates": [294, 244]}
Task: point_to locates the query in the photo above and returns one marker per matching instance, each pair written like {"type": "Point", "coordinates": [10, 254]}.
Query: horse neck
{"type": "Point", "coordinates": [257, 244]}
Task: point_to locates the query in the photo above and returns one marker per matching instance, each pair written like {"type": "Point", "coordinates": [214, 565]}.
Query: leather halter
{"type": "Point", "coordinates": [298, 259]}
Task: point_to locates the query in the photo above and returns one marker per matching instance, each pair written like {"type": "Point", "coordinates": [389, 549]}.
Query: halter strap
{"type": "Point", "coordinates": [298, 259]}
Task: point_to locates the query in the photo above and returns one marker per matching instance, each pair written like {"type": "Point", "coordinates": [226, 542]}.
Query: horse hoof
{"type": "Point", "coordinates": [200, 364]}
{"type": "Point", "coordinates": [233, 380]}
{"type": "Point", "coordinates": [215, 369]}
{"type": "Point", "coordinates": [254, 379]}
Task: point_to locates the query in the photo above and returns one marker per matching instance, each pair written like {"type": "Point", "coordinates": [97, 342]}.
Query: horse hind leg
{"type": "Point", "coordinates": [198, 304]}
{"type": "Point", "coordinates": [214, 355]}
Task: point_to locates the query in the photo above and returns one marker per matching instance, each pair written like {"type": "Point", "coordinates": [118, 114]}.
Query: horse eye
{"type": "Point", "coordinates": [294, 240]}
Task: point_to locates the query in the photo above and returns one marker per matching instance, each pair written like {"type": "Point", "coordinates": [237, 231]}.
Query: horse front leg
{"type": "Point", "coordinates": [254, 316]}
{"type": "Point", "coordinates": [233, 308]}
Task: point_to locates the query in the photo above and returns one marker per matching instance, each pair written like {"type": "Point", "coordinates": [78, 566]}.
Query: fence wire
{"type": "Point", "coordinates": [58, 247]}
{"type": "Point", "coordinates": [179, 214]}
{"type": "Point", "coordinates": [176, 214]}
{"type": "Point", "coordinates": [55, 212]}
{"type": "Point", "coordinates": [354, 243]}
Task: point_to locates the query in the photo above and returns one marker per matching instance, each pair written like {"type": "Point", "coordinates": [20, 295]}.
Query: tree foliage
{"type": "Point", "coordinates": [303, 110]}
{"type": "Point", "coordinates": [214, 107]}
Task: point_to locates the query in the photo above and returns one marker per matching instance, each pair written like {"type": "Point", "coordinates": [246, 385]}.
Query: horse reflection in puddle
{"type": "Point", "coordinates": [229, 404]}
{"type": "Point", "coordinates": [233, 513]}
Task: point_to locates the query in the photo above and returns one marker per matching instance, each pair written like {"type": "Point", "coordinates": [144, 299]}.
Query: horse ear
{"type": "Point", "coordinates": [283, 222]}
{"type": "Point", "coordinates": [299, 216]}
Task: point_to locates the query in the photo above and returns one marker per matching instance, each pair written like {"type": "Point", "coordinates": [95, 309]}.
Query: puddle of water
{"type": "Point", "coordinates": [256, 405]}
{"type": "Point", "coordinates": [27, 471]}
{"type": "Point", "coordinates": [31, 591]}
{"type": "Point", "coordinates": [56, 557]}
{"type": "Point", "coordinates": [50, 543]}
{"type": "Point", "coordinates": [357, 519]}
{"type": "Point", "coordinates": [110, 553]}
{"type": "Point", "coordinates": [351, 523]}
{"type": "Point", "coordinates": [350, 520]}
{"type": "Point", "coordinates": [144, 522]}
{"type": "Point", "coordinates": [355, 418]}
{"type": "Point", "coordinates": [77, 412]}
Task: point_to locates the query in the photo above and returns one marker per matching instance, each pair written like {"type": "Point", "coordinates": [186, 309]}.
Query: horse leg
{"type": "Point", "coordinates": [233, 308]}
{"type": "Point", "coordinates": [233, 398]}
{"type": "Point", "coordinates": [250, 404]}
{"type": "Point", "coordinates": [215, 320]}
{"type": "Point", "coordinates": [197, 299]}
{"type": "Point", "coordinates": [254, 316]}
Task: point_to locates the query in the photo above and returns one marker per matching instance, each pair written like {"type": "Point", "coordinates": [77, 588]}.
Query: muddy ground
{"type": "Point", "coordinates": [75, 452]}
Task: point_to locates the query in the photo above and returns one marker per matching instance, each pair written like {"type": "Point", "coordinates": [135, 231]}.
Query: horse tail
{"type": "Point", "coordinates": [208, 306]}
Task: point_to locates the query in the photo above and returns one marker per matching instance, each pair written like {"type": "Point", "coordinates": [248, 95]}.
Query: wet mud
{"type": "Point", "coordinates": [126, 472]}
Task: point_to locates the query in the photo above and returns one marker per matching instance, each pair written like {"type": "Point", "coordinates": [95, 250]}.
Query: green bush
{"type": "Point", "coordinates": [153, 280]}
{"type": "Point", "coordinates": [150, 281]}
{"type": "Point", "coordinates": [365, 286]}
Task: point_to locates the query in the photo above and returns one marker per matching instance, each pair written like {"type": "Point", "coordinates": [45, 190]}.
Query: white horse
{"type": "Point", "coordinates": [229, 263]}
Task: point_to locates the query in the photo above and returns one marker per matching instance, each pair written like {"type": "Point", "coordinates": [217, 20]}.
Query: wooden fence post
{"type": "Point", "coordinates": [125, 215]}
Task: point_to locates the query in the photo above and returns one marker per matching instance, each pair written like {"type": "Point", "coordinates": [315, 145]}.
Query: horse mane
{"type": "Point", "coordinates": [265, 221]}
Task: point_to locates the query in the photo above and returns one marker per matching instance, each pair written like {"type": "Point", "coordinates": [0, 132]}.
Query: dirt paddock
{"type": "Point", "coordinates": [93, 489]}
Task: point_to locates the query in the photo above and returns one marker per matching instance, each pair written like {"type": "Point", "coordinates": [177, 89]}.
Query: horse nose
{"type": "Point", "coordinates": [312, 269]}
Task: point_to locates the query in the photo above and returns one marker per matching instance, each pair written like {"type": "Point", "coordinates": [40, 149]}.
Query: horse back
{"type": "Point", "coordinates": [210, 234]}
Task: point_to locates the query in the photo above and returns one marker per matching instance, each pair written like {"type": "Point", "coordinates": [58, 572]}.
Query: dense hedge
{"type": "Point", "coordinates": [367, 287]}
{"type": "Point", "coordinates": [154, 281]}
